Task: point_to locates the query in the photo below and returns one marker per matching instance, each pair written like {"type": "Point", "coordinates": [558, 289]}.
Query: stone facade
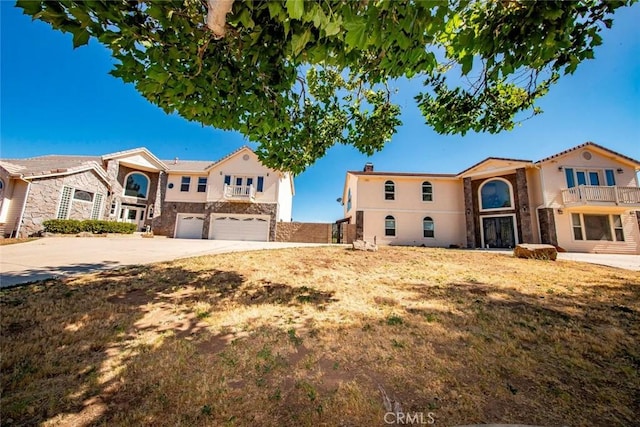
{"type": "Point", "coordinates": [165, 224]}
{"type": "Point", "coordinates": [524, 211]}
{"type": "Point", "coordinates": [44, 198]}
{"type": "Point", "coordinates": [520, 209]}
{"type": "Point", "coordinates": [359, 225]}
{"type": "Point", "coordinates": [117, 175]}
{"type": "Point", "coordinates": [304, 232]}
{"type": "Point", "coordinates": [547, 226]}
{"type": "Point", "coordinates": [469, 214]}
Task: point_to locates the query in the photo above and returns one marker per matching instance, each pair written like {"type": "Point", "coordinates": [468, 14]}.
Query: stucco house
{"type": "Point", "coordinates": [584, 199]}
{"type": "Point", "coordinates": [234, 198]}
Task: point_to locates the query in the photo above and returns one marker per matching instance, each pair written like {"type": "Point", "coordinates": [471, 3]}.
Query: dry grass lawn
{"type": "Point", "coordinates": [314, 336]}
{"type": "Point", "coordinates": [13, 241]}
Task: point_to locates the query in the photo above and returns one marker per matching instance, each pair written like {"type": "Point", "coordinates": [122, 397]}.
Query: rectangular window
{"type": "Point", "coordinates": [227, 179]}
{"type": "Point", "coordinates": [114, 208]}
{"type": "Point", "coordinates": [617, 228]}
{"type": "Point", "coordinates": [239, 181]}
{"type": "Point", "coordinates": [569, 175]}
{"type": "Point", "coordinates": [65, 202]}
{"type": "Point", "coordinates": [150, 212]}
{"type": "Point", "coordinates": [202, 185]}
{"type": "Point", "coordinates": [597, 227]}
{"type": "Point", "coordinates": [132, 214]}
{"type": "Point", "coordinates": [185, 183]}
{"type": "Point", "coordinates": [260, 184]}
{"type": "Point", "coordinates": [582, 178]}
{"type": "Point", "coordinates": [249, 182]}
{"type": "Point", "coordinates": [594, 178]}
{"type": "Point", "coordinates": [97, 207]}
{"type": "Point", "coordinates": [577, 226]}
{"type": "Point", "coordinates": [610, 177]}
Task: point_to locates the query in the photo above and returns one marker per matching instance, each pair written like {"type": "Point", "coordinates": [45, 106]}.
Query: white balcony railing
{"type": "Point", "coordinates": [239, 192]}
{"type": "Point", "coordinates": [592, 194]}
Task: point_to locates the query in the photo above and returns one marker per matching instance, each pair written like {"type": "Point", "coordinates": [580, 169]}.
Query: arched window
{"type": "Point", "coordinates": [428, 228]}
{"type": "Point", "coordinates": [389, 190]}
{"type": "Point", "coordinates": [495, 194]}
{"type": "Point", "coordinates": [427, 192]}
{"type": "Point", "coordinates": [389, 226]}
{"type": "Point", "coordinates": [1, 185]}
{"type": "Point", "coordinates": [136, 185]}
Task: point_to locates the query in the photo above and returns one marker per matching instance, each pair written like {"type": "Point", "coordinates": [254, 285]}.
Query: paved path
{"type": "Point", "coordinates": [59, 256]}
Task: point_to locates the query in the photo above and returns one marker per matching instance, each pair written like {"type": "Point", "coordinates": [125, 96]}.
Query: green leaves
{"type": "Point", "coordinates": [295, 8]}
{"type": "Point", "coordinates": [251, 81]}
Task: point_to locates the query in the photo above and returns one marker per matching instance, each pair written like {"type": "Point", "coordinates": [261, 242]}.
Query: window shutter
{"type": "Point", "coordinates": [570, 180]}
{"type": "Point", "coordinates": [611, 179]}
{"type": "Point", "coordinates": [260, 184]}
{"type": "Point", "coordinates": [227, 179]}
{"type": "Point", "coordinates": [97, 207]}
{"type": "Point", "coordinates": [65, 202]}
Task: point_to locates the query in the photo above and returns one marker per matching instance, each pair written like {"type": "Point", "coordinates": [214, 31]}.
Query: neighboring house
{"type": "Point", "coordinates": [585, 199]}
{"type": "Point", "coordinates": [233, 198]}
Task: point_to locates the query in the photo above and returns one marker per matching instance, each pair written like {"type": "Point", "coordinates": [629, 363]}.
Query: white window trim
{"type": "Point", "coordinates": [434, 227]}
{"type": "Point", "coordinates": [190, 182]}
{"type": "Point", "coordinates": [422, 192]}
{"type": "Point", "coordinates": [384, 226]}
{"type": "Point", "coordinates": [60, 202]}
{"type": "Point", "coordinates": [115, 206]}
{"type": "Point", "coordinates": [513, 201]}
{"type": "Point", "coordinates": [124, 185]}
{"type": "Point", "coordinates": [93, 196]}
{"type": "Point", "coordinates": [515, 228]}
{"type": "Point", "coordinates": [612, 229]}
{"type": "Point", "coordinates": [602, 174]}
{"type": "Point", "coordinates": [384, 191]}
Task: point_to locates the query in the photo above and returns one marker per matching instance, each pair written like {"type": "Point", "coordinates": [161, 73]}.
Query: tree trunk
{"type": "Point", "coordinates": [217, 16]}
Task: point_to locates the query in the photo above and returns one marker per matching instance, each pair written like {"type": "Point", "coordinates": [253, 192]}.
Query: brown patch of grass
{"type": "Point", "coordinates": [13, 241]}
{"type": "Point", "coordinates": [310, 337]}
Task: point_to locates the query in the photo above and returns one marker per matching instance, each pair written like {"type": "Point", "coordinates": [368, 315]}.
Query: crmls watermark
{"type": "Point", "coordinates": [412, 418]}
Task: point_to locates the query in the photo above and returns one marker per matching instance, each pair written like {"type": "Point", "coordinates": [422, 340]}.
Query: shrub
{"type": "Point", "coordinates": [73, 226]}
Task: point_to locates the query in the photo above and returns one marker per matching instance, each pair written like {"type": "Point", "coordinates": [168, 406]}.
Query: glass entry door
{"type": "Point", "coordinates": [498, 232]}
{"type": "Point", "coordinates": [133, 215]}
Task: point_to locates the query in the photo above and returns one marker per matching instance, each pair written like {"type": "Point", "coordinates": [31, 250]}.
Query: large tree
{"type": "Point", "coordinates": [300, 76]}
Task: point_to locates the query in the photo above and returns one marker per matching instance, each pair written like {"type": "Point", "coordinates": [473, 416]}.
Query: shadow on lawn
{"type": "Point", "coordinates": [132, 347]}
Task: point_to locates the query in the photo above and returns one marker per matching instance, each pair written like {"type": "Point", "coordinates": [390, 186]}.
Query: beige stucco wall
{"type": "Point", "coordinates": [631, 245]}
{"type": "Point", "coordinates": [236, 165]}
{"type": "Point", "coordinates": [14, 197]}
{"type": "Point", "coordinates": [352, 184]}
{"type": "Point", "coordinates": [449, 228]}
{"type": "Point", "coordinates": [553, 180]}
{"type": "Point", "coordinates": [446, 209]}
{"type": "Point", "coordinates": [175, 195]}
{"type": "Point", "coordinates": [285, 199]}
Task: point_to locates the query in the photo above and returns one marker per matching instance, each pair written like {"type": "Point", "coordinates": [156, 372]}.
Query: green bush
{"type": "Point", "coordinates": [73, 226]}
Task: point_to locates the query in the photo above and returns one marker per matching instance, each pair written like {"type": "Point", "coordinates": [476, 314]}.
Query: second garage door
{"type": "Point", "coordinates": [189, 226]}
{"type": "Point", "coordinates": [240, 227]}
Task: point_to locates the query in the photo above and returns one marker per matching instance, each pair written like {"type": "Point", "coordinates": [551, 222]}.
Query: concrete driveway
{"type": "Point", "coordinates": [60, 256]}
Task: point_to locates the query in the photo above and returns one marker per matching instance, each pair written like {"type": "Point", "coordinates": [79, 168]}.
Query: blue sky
{"type": "Point", "coordinates": [57, 100]}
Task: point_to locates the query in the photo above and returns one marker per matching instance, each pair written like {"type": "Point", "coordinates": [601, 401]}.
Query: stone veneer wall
{"type": "Point", "coordinates": [475, 185]}
{"type": "Point", "coordinates": [44, 197]}
{"type": "Point", "coordinates": [470, 214]}
{"type": "Point", "coordinates": [547, 227]}
{"type": "Point", "coordinates": [359, 225]}
{"type": "Point", "coordinates": [305, 232]}
{"type": "Point", "coordinates": [165, 223]}
{"type": "Point", "coordinates": [524, 211]}
{"type": "Point", "coordinates": [117, 174]}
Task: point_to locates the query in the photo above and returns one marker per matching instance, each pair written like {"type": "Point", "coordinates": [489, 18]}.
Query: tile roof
{"type": "Point", "coordinates": [590, 144]}
{"type": "Point", "coordinates": [52, 164]}
{"type": "Point", "coordinates": [504, 159]}
{"type": "Point", "coordinates": [407, 174]}
{"type": "Point", "coordinates": [188, 165]}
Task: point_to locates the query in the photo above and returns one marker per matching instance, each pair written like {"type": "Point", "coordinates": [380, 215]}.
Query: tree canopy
{"type": "Point", "coordinates": [299, 76]}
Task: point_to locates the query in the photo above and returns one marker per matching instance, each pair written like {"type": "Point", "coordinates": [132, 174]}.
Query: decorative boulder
{"type": "Point", "coordinates": [362, 245]}
{"type": "Point", "coordinates": [526, 250]}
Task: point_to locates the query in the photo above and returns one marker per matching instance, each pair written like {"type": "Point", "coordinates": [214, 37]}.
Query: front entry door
{"type": "Point", "coordinates": [133, 215]}
{"type": "Point", "coordinates": [498, 232]}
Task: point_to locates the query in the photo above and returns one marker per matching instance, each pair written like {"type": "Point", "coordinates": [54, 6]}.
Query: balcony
{"type": "Point", "coordinates": [601, 196]}
{"type": "Point", "coordinates": [241, 193]}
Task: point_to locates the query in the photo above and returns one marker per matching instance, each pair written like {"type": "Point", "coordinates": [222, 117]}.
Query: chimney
{"type": "Point", "coordinates": [175, 161]}
{"type": "Point", "coordinates": [368, 167]}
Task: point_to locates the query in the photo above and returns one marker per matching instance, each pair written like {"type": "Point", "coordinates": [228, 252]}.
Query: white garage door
{"type": "Point", "coordinates": [189, 226]}
{"type": "Point", "coordinates": [239, 227]}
